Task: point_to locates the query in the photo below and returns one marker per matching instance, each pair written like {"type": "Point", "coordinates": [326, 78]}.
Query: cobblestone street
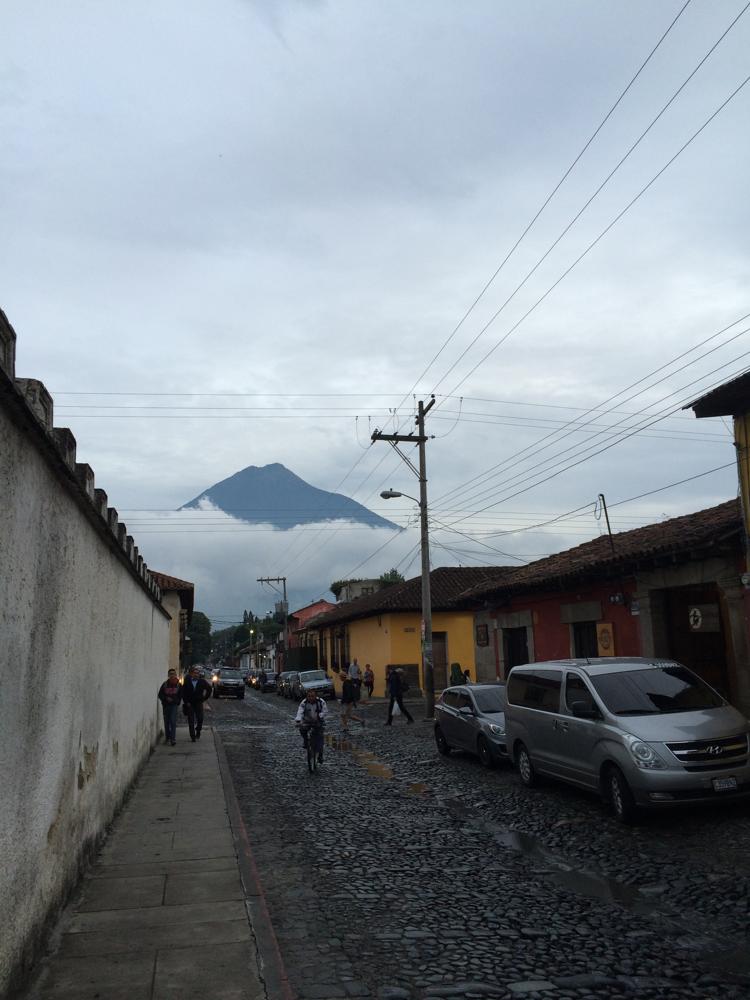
{"type": "Point", "coordinates": [394, 872]}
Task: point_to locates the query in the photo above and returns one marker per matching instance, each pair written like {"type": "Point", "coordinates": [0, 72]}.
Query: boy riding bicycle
{"type": "Point", "coordinates": [310, 719]}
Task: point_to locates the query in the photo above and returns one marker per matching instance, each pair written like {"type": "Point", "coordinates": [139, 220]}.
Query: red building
{"type": "Point", "coordinates": [298, 621]}
{"type": "Point", "coordinates": [672, 589]}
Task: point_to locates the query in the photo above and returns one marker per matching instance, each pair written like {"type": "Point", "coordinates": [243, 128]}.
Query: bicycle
{"type": "Point", "coordinates": [313, 744]}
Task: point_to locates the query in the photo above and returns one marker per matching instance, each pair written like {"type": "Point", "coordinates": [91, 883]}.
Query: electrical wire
{"type": "Point", "coordinates": [623, 435]}
{"type": "Point", "coordinates": [557, 435]}
{"type": "Point", "coordinates": [586, 204]}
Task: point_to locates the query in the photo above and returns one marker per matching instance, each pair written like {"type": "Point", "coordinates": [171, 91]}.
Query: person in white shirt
{"type": "Point", "coordinates": [310, 719]}
{"type": "Point", "coordinates": [355, 676]}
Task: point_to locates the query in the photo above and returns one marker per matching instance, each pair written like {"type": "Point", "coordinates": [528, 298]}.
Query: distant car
{"type": "Point", "coordinates": [471, 717]}
{"type": "Point", "coordinates": [281, 680]}
{"type": "Point", "coordinates": [313, 680]}
{"type": "Point", "coordinates": [266, 680]}
{"type": "Point", "coordinates": [228, 682]}
{"type": "Point", "coordinates": [289, 682]}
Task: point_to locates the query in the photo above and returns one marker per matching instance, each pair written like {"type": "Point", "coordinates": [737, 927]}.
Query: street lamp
{"type": "Point", "coordinates": [429, 678]}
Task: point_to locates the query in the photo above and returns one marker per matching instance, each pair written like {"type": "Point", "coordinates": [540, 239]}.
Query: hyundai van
{"type": "Point", "coordinates": [642, 732]}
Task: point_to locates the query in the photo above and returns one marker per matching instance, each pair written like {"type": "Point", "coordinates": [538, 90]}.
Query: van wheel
{"type": "Point", "coordinates": [442, 743]}
{"type": "Point", "coordinates": [485, 753]}
{"type": "Point", "coordinates": [525, 767]}
{"type": "Point", "coordinates": [618, 793]}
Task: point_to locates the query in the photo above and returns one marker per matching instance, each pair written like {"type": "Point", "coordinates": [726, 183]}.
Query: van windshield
{"type": "Point", "coordinates": [312, 675]}
{"type": "Point", "coordinates": [655, 691]}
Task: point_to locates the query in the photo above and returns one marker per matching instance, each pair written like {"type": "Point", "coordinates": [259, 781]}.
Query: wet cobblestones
{"type": "Point", "coordinates": [395, 873]}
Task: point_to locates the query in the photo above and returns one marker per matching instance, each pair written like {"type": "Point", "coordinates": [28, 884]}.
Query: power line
{"type": "Point", "coordinates": [585, 458]}
{"type": "Point", "coordinates": [604, 232]}
{"type": "Point", "coordinates": [549, 197]}
{"type": "Point", "coordinates": [586, 204]}
{"type": "Point", "coordinates": [557, 435]}
{"type": "Point", "coordinates": [612, 430]}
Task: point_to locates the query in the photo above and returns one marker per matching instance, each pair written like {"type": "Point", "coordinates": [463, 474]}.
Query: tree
{"type": "Point", "coordinates": [391, 577]}
{"type": "Point", "coordinates": [200, 635]}
{"type": "Point", "coordinates": [241, 634]}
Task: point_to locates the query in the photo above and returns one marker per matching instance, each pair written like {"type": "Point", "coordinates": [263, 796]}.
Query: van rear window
{"type": "Point", "coordinates": [539, 689]}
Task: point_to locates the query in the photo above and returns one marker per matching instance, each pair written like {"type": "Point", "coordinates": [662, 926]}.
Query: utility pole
{"type": "Point", "coordinates": [285, 606]}
{"type": "Point", "coordinates": [420, 439]}
{"type": "Point", "coordinates": [603, 503]}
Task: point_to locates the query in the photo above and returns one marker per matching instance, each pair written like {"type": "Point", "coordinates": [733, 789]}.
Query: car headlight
{"type": "Point", "coordinates": [645, 756]}
{"type": "Point", "coordinates": [497, 730]}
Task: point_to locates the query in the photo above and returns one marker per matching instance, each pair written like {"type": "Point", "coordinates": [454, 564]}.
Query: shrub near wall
{"type": "Point", "coordinates": [85, 643]}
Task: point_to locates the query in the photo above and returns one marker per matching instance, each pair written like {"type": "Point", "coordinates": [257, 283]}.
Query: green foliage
{"type": "Point", "coordinates": [200, 634]}
{"type": "Point", "coordinates": [338, 585]}
{"type": "Point", "coordinates": [391, 577]}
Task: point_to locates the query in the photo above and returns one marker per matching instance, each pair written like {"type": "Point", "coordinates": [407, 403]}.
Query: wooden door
{"type": "Point", "coordinates": [695, 633]}
{"type": "Point", "coordinates": [440, 660]}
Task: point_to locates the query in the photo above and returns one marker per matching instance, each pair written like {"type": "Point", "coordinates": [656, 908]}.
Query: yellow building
{"type": "Point", "coordinates": [385, 629]}
{"type": "Point", "coordinates": [177, 600]}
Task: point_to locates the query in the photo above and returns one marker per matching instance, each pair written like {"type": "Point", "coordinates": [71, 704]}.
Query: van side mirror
{"type": "Point", "coordinates": [465, 710]}
{"type": "Point", "coordinates": [584, 710]}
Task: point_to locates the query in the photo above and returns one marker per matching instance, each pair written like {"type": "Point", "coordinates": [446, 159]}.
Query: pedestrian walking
{"type": "Point", "coordinates": [355, 675]}
{"type": "Point", "coordinates": [369, 680]}
{"type": "Point", "coordinates": [348, 703]}
{"type": "Point", "coordinates": [467, 677]}
{"type": "Point", "coordinates": [395, 689]}
{"type": "Point", "coordinates": [457, 676]}
{"type": "Point", "coordinates": [195, 691]}
{"type": "Point", "coordinates": [170, 697]}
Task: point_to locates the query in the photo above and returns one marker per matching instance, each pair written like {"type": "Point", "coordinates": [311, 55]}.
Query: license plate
{"type": "Point", "coordinates": [724, 784]}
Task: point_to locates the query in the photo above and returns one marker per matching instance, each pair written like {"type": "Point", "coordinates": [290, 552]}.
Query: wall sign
{"type": "Point", "coordinates": [605, 639]}
{"type": "Point", "coordinates": [704, 618]}
{"type": "Point", "coordinates": [483, 635]}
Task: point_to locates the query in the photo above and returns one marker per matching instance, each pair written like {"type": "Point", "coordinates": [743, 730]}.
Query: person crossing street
{"type": "Point", "coordinates": [396, 691]}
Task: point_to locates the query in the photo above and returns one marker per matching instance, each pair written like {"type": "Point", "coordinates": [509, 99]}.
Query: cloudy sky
{"type": "Point", "coordinates": [247, 231]}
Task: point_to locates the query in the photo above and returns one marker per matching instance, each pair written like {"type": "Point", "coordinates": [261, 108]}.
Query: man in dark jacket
{"type": "Point", "coordinates": [396, 692]}
{"type": "Point", "coordinates": [195, 691]}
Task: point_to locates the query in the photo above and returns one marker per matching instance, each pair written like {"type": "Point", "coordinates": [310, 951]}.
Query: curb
{"type": "Point", "coordinates": [272, 968]}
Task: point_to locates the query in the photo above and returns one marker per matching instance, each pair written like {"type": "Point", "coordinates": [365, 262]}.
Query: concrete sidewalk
{"type": "Point", "coordinates": [162, 913]}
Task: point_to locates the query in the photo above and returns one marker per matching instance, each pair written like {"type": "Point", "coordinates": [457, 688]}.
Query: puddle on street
{"type": "Point", "coordinates": [364, 758]}
{"type": "Point", "coordinates": [418, 788]}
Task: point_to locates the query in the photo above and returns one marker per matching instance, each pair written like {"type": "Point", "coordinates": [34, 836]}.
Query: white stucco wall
{"type": "Point", "coordinates": [83, 648]}
{"type": "Point", "coordinates": [171, 602]}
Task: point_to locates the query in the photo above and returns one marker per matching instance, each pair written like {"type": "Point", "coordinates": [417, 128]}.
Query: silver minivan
{"type": "Point", "coordinates": [642, 732]}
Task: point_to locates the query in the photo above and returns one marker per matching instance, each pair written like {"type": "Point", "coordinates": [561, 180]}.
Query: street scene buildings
{"type": "Point", "coordinates": [267, 267]}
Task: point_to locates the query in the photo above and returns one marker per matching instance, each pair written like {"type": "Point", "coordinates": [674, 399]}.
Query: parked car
{"type": "Point", "coordinates": [228, 682]}
{"type": "Point", "coordinates": [281, 680]}
{"type": "Point", "coordinates": [289, 681]}
{"type": "Point", "coordinates": [472, 718]}
{"type": "Point", "coordinates": [313, 680]}
{"type": "Point", "coordinates": [642, 732]}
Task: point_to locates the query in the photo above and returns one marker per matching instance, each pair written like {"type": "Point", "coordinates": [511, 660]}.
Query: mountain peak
{"type": "Point", "coordinates": [273, 494]}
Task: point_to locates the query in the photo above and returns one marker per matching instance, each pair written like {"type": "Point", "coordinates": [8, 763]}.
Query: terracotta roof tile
{"type": "Point", "coordinates": [677, 536]}
{"type": "Point", "coordinates": [729, 399]}
{"type": "Point", "coordinates": [167, 582]}
{"type": "Point", "coordinates": [446, 583]}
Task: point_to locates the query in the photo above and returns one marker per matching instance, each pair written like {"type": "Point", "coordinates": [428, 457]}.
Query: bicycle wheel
{"type": "Point", "coordinates": [311, 759]}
